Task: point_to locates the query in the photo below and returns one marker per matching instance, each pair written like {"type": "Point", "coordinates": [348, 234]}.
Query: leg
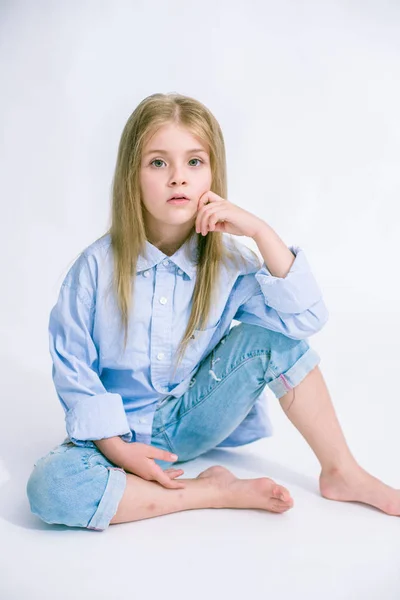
{"type": "Point", "coordinates": [308, 406]}
{"type": "Point", "coordinates": [214, 488]}
{"type": "Point", "coordinates": [80, 487]}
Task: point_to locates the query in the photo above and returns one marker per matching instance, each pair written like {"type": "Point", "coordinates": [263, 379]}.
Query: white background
{"type": "Point", "coordinates": [307, 95]}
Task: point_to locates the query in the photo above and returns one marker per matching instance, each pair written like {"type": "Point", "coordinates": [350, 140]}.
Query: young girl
{"type": "Point", "coordinates": [146, 363]}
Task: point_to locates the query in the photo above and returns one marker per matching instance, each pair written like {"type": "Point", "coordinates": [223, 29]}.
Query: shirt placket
{"type": "Point", "coordinates": [161, 326]}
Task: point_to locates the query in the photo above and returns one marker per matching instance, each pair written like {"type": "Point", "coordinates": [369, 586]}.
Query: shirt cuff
{"type": "Point", "coordinates": [97, 417]}
{"type": "Point", "coordinates": [296, 292]}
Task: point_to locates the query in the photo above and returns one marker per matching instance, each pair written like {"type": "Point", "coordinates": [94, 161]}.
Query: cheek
{"type": "Point", "coordinates": [205, 180]}
{"type": "Point", "coordinates": [147, 182]}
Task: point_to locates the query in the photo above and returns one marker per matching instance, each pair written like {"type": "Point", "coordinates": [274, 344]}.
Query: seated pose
{"type": "Point", "coordinates": [147, 364]}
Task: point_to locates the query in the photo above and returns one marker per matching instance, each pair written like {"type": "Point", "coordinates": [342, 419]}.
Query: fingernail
{"type": "Point", "coordinates": [174, 457]}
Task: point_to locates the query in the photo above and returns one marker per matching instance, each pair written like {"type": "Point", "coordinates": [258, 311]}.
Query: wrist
{"type": "Point", "coordinates": [261, 232]}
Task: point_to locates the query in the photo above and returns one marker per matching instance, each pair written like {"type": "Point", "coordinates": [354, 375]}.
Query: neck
{"type": "Point", "coordinates": [169, 246]}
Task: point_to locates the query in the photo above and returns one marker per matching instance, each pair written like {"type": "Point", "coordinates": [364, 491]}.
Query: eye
{"type": "Point", "coordinates": [160, 160]}
{"type": "Point", "coordinates": [156, 160]}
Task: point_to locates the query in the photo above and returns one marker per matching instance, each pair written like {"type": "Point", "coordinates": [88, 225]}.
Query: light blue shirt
{"type": "Point", "coordinates": [107, 392]}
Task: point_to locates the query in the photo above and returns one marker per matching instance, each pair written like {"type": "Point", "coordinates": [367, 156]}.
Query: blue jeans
{"type": "Point", "coordinates": [79, 487]}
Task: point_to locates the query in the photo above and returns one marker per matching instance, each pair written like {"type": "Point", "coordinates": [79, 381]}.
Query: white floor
{"type": "Point", "coordinates": [319, 549]}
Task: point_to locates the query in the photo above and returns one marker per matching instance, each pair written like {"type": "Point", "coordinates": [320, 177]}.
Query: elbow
{"type": "Point", "coordinates": [318, 316]}
{"type": "Point", "coordinates": [310, 321]}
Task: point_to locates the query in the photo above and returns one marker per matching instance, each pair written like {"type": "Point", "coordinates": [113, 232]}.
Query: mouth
{"type": "Point", "coordinates": [178, 200]}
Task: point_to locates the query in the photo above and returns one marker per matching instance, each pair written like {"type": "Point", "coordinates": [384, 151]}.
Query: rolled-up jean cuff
{"type": "Point", "coordinates": [293, 376]}
{"type": "Point", "coordinates": [112, 496]}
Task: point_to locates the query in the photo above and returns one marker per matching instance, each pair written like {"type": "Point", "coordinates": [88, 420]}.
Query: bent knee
{"type": "Point", "coordinates": [65, 491]}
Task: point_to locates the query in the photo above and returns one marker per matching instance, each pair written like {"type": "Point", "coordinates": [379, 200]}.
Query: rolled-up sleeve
{"type": "Point", "coordinates": [292, 305]}
{"type": "Point", "coordinates": [91, 413]}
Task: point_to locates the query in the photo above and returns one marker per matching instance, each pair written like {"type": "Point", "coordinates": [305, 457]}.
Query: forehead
{"type": "Point", "coordinates": [173, 138]}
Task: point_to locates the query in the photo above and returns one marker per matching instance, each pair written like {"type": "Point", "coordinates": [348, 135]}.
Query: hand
{"type": "Point", "coordinates": [217, 214]}
{"type": "Point", "coordinates": [139, 458]}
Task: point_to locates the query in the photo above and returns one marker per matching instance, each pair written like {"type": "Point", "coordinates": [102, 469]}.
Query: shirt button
{"type": "Point", "coordinates": [165, 262]}
{"type": "Point", "coordinates": [142, 420]}
{"type": "Point", "coordinates": [163, 300]}
{"type": "Point", "coordinates": [180, 271]}
{"type": "Point", "coordinates": [146, 273]}
{"type": "Point", "coordinates": [160, 355]}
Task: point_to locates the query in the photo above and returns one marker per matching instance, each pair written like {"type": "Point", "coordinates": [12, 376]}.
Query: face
{"type": "Point", "coordinates": [173, 162]}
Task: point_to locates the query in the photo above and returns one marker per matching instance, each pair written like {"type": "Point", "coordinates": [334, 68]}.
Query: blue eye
{"type": "Point", "coordinates": [156, 160]}
{"type": "Point", "coordinates": [159, 160]}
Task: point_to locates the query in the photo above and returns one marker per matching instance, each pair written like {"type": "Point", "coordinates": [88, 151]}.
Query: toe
{"type": "Point", "coordinates": [277, 506]}
{"type": "Point", "coordinates": [281, 493]}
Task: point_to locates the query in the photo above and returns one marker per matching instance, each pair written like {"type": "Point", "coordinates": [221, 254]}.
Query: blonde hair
{"type": "Point", "coordinates": [127, 231]}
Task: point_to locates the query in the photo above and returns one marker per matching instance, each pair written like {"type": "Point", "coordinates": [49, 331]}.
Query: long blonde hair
{"type": "Point", "coordinates": [128, 236]}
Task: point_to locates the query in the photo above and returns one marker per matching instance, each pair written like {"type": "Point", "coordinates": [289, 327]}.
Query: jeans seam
{"type": "Point", "coordinates": [168, 441]}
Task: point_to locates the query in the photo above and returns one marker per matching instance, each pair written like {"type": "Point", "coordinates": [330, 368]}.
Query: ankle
{"type": "Point", "coordinates": [220, 495]}
{"type": "Point", "coordinates": [340, 468]}
{"type": "Point", "coordinates": [208, 493]}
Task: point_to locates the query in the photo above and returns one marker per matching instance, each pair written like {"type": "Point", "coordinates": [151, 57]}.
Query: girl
{"type": "Point", "coordinates": [165, 282]}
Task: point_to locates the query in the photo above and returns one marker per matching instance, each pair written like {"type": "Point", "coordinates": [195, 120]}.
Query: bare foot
{"type": "Point", "coordinates": [261, 493]}
{"type": "Point", "coordinates": [359, 486]}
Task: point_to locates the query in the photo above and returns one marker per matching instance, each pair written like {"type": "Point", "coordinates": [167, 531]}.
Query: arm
{"type": "Point", "coordinates": [292, 304]}
{"type": "Point", "coordinates": [139, 458]}
{"type": "Point", "coordinates": [113, 448]}
{"type": "Point", "coordinates": [91, 413]}
{"type": "Point", "coordinates": [277, 257]}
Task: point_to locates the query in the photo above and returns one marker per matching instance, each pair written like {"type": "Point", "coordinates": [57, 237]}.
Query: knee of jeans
{"type": "Point", "coordinates": [40, 491]}
{"type": "Point", "coordinates": [57, 496]}
{"type": "Point", "coordinates": [285, 352]}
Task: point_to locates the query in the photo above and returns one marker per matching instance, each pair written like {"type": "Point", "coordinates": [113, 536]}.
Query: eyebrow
{"type": "Point", "coordinates": [193, 150]}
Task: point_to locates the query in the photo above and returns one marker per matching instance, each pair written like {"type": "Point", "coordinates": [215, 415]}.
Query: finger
{"type": "Point", "coordinates": [203, 200]}
{"type": "Point", "coordinates": [167, 482]}
{"type": "Point", "coordinates": [161, 454]}
{"type": "Point", "coordinates": [216, 219]}
{"type": "Point", "coordinates": [199, 219]}
{"type": "Point", "coordinates": [212, 222]}
{"type": "Point", "coordinates": [159, 475]}
{"type": "Point", "coordinates": [172, 469]}
{"type": "Point", "coordinates": [202, 226]}
{"type": "Point", "coordinates": [210, 217]}
{"type": "Point", "coordinates": [209, 197]}
{"type": "Point", "coordinates": [174, 474]}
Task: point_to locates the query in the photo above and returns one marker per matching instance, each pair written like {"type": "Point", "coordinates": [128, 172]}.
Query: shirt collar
{"type": "Point", "coordinates": [188, 264]}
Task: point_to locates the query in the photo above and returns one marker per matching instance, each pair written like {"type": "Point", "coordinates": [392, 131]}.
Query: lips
{"type": "Point", "coordinates": [179, 201]}
{"type": "Point", "coordinates": [179, 197]}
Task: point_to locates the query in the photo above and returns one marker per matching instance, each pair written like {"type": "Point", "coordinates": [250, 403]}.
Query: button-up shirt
{"type": "Point", "coordinates": [106, 391]}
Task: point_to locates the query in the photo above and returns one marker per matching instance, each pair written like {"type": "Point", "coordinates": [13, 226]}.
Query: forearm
{"type": "Point", "coordinates": [113, 448]}
{"type": "Point", "coordinates": [277, 256]}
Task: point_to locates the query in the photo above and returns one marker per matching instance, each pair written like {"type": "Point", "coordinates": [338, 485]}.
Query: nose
{"type": "Point", "coordinates": [178, 181]}
{"type": "Point", "coordinates": [177, 177]}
